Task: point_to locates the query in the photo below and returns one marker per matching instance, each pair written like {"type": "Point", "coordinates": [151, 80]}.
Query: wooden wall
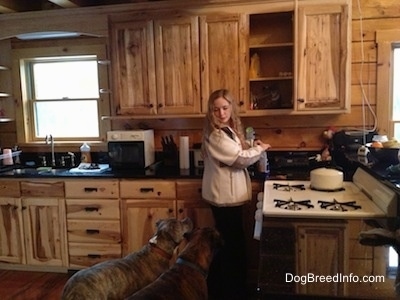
{"type": "Point", "coordinates": [295, 132]}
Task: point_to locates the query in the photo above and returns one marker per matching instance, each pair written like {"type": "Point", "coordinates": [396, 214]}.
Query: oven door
{"type": "Point", "coordinates": [125, 155]}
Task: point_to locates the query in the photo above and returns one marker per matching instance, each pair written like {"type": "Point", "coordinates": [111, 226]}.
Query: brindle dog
{"type": "Point", "coordinates": [119, 278]}
{"type": "Point", "coordinates": [186, 279]}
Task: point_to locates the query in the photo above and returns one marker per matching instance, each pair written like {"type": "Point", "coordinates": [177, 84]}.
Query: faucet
{"type": "Point", "coordinates": [50, 140]}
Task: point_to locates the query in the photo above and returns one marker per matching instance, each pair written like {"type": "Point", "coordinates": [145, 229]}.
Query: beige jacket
{"type": "Point", "coordinates": [226, 181]}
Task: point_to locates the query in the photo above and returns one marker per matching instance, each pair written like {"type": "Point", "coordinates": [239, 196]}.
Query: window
{"type": "Point", "coordinates": [60, 92]}
{"type": "Point", "coordinates": [388, 74]}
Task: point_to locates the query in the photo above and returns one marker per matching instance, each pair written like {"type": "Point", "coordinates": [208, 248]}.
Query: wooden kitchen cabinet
{"type": "Point", "coordinates": [43, 213]}
{"type": "Point", "coordinates": [191, 204]}
{"type": "Point", "coordinates": [12, 249]}
{"type": "Point", "coordinates": [223, 44]}
{"type": "Point", "coordinates": [324, 58]}
{"type": "Point", "coordinates": [300, 60]}
{"type": "Point", "coordinates": [143, 203]}
{"type": "Point", "coordinates": [156, 65]}
{"type": "Point", "coordinates": [321, 249]}
{"type": "Point", "coordinates": [6, 101]}
{"type": "Point", "coordinates": [93, 221]}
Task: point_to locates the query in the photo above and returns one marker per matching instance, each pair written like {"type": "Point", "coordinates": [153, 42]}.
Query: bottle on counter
{"type": "Point", "coordinates": [85, 153]}
{"type": "Point", "coordinates": [263, 164]}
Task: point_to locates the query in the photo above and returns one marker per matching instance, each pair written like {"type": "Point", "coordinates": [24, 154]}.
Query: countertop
{"type": "Point", "coordinates": [156, 171]}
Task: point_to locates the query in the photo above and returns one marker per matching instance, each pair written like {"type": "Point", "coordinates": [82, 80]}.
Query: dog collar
{"type": "Point", "coordinates": [160, 251]}
{"type": "Point", "coordinates": [192, 265]}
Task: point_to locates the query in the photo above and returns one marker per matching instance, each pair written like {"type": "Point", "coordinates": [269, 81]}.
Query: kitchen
{"type": "Point", "coordinates": [287, 132]}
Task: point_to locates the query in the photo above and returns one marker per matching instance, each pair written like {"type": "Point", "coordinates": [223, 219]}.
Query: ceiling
{"type": "Point", "coordinates": [13, 6]}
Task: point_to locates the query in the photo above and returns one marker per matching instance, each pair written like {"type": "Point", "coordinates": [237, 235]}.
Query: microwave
{"type": "Point", "coordinates": [130, 149]}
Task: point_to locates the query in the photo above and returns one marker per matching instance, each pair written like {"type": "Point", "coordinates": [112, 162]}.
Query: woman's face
{"type": "Point", "coordinates": [222, 110]}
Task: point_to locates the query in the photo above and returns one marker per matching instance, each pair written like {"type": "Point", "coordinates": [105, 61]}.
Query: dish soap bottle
{"type": "Point", "coordinates": [85, 153]}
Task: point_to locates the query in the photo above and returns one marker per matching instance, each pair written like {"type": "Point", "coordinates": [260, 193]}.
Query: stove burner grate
{"type": "Point", "coordinates": [288, 187]}
{"type": "Point", "coordinates": [293, 205]}
{"type": "Point", "coordinates": [338, 206]}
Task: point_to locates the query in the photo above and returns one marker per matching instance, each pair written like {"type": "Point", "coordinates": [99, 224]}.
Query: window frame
{"type": "Point", "coordinates": [386, 40]}
{"type": "Point", "coordinates": [40, 49]}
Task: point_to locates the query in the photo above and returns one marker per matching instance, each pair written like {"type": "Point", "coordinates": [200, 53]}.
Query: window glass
{"type": "Point", "coordinates": [396, 93]}
{"type": "Point", "coordinates": [64, 96]}
{"type": "Point", "coordinates": [66, 79]}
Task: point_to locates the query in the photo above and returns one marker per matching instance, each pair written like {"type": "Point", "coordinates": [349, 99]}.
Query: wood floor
{"type": "Point", "coordinates": [23, 285]}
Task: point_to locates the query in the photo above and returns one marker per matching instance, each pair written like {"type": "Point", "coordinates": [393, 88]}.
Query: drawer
{"type": "Point", "coordinates": [188, 190]}
{"type": "Point", "coordinates": [83, 255]}
{"type": "Point", "coordinates": [9, 188]}
{"type": "Point", "coordinates": [42, 188]}
{"type": "Point", "coordinates": [148, 189]}
{"type": "Point", "coordinates": [91, 189]}
{"type": "Point", "coordinates": [93, 231]}
{"type": "Point", "coordinates": [92, 209]}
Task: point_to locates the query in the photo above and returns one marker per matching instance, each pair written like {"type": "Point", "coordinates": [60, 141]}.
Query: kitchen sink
{"type": "Point", "coordinates": [32, 171]}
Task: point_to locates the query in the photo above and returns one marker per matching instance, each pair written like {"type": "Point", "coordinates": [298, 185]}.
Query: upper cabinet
{"type": "Point", "coordinates": [282, 59]}
{"type": "Point", "coordinates": [323, 59]}
{"type": "Point", "coordinates": [156, 66]}
{"type": "Point", "coordinates": [223, 40]}
{"type": "Point", "coordinates": [300, 60]}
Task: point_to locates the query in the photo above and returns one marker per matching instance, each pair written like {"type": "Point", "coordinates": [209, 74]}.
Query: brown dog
{"type": "Point", "coordinates": [186, 279]}
{"type": "Point", "coordinates": [119, 278]}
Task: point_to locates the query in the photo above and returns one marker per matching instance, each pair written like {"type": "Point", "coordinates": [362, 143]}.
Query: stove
{"type": "Point", "coordinates": [364, 197]}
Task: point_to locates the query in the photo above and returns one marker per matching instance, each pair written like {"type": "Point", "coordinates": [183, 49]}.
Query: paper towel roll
{"type": "Point", "coordinates": [184, 162]}
{"type": "Point", "coordinates": [7, 157]}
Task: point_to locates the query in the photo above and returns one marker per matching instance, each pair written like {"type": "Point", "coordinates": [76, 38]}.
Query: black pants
{"type": "Point", "coordinates": [227, 275]}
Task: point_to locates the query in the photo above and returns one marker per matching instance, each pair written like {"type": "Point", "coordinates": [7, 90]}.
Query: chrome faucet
{"type": "Point", "coordinates": [50, 140]}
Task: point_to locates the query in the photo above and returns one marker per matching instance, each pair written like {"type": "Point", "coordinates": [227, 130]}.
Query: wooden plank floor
{"type": "Point", "coordinates": [27, 285]}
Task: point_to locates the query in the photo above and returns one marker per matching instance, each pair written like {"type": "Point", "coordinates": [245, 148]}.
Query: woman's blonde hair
{"type": "Point", "coordinates": [212, 123]}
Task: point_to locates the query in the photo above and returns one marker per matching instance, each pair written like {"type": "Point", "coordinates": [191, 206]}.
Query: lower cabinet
{"type": "Point", "coordinates": [293, 249]}
{"type": "Point", "coordinates": [43, 215]}
{"type": "Point", "coordinates": [12, 248]}
{"type": "Point", "coordinates": [93, 221]}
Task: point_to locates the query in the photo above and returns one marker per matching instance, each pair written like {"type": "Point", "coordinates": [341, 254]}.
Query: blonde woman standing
{"type": "Point", "coordinates": [226, 187]}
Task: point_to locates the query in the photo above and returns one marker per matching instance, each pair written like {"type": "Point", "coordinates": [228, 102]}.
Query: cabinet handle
{"type": "Point", "coordinates": [151, 105]}
{"type": "Point", "coordinates": [301, 100]}
{"type": "Point", "coordinates": [241, 103]}
{"type": "Point", "coordinates": [160, 105]}
{"type": "Point", "coordinates": [180, 210]}
{"type": "Point", "coordinates": [89, 190]}
{"type": "Point", "coordinates": [146, 190]}
{"type": "Point", "coordinates": [94, 255]}
{"type": "Point", "coordinates": [90, 209]}
{"type": "Point", "coordinates": [170, 210]}
{"type": "Point", "coordinates": [92, 231]}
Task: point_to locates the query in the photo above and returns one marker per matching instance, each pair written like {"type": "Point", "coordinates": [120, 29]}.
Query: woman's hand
{"type": "Point", "coordinates": [263, 145]}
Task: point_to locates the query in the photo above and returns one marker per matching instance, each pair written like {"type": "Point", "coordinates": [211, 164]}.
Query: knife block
{"type": "Point", "coordinates": [171, 158]}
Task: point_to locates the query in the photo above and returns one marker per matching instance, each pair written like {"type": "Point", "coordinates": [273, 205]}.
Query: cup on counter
{"type": "Point", "coordinates": [7, 157]}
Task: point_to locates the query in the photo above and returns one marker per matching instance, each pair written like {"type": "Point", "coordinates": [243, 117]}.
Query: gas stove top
{"type": "Point", "coordinates": [365, 197]}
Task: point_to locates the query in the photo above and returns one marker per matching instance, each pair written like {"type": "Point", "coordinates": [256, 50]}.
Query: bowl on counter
{"type": "Point", "coordinates": [384, 155]}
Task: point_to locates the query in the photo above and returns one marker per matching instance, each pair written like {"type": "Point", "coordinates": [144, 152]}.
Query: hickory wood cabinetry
{"type": "Point", "coordinates": [11, 226]}
{"type": "Point", "coordinates": [6, 101]}
{"type": "Point", "coordinates": [93, 221]}
{"type": "Point", "coordinates": [143, 203]}
{"type": "Point", "coordinates": [32, 223]}
{"type": "Point", "coordinates": [157, 64]}
{"type": "Point", "coordinates": [146, 201]}
{"type": "Point", "coordinates": [300, 247]}
{"type": "Point", "coordinates": [311, 77]}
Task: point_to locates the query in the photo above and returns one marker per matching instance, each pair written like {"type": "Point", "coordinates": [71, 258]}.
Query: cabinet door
{"type": "Point", "coordinates": [134, 85]}
{"type": "Point", "coordinates": [224, 60]}
{"type": "Point", "coordinates": [45, 231]}
{"type": "Point", "coordinates": [177, 65]}
{"type": "Point", "coordinates": [11, 238]}
{"type": "Point", "coordinates": [139, 219]}
{"type": "Point", "coordinates": [321, 251]}
{"type": "Point", "coordinates": [323, 58]}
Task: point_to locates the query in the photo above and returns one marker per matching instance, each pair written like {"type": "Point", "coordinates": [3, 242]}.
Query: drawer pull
{"type": "Point", "coordinates": [94, 255]}
{"type": "Point", "coordinates": [92, 231]}
{"type": "Point", "coordinates": [90, 190]}
{"type": "Point", "coordinates": [146, 190]}
{"type": "Point", "coordinates": [90, 209]}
